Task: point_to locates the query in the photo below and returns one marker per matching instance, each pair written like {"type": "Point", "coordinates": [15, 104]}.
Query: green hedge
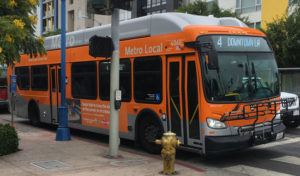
{"type": "Point", "coordinates": [9, 140]}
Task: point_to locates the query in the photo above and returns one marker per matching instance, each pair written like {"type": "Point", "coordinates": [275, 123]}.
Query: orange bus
{"type": "Point", "coordinates": [212, 81]}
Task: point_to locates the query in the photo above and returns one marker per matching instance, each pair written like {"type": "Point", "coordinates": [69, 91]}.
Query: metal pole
{"type": "Point", "coordinates": [63, 131]}
{"type": "Point", "coordinates": [12, 102]}
{"type": "Point", "coordinates": [12, 108]}
{"type": "Point", "coordinates": [114, 140]}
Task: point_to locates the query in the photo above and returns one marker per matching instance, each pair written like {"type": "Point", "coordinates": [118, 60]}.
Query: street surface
{"type": "Point", "coordinates": [277, 158]}
{"type": "Point", "coordinates": [280, 158]}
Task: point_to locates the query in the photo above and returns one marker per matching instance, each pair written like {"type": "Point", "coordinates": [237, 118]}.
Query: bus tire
{"type": "Point", "coordinates": [150, 129]}
{"type": "Point", "coordinates": [34, 114]}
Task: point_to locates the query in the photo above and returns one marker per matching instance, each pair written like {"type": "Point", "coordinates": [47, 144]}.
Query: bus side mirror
{"type": "Point", "coordinates": [212, 60]}
{"type": "Point", "coordinates": [100, 46]}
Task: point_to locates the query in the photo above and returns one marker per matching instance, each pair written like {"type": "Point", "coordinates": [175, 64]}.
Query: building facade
{"type": "Point", "coordinates": [271, 11]}
{"type": "Point", "coordinates": [148, 7]}
{"type": "Point", "coordinates": [48, 16]}
{"type": "Point", "coordinates": [248, 8]}
{"type": "Point", "coordinates": [78, 16]}
{"type": "Point", "coordinates": [259, 12]}
{"type": "Point", "coordinates": [38, 26]}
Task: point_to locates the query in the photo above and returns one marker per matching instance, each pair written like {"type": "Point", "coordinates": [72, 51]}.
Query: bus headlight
{"type": "Point", "coordinates": [213, 123]}
{"type": "Point", "coordinates": [277, 116]}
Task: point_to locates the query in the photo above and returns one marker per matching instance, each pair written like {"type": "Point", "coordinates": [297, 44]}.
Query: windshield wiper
{"type": "Point", "coordinates": [253, 74]}
{"type": "Point", "coordinates": [249, 86]}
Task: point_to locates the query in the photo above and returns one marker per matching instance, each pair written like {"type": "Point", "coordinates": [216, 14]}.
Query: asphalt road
{"type": "Point", "coordinates": [277, 158]}
{"type": "Point", "coordinates": [280, 158]}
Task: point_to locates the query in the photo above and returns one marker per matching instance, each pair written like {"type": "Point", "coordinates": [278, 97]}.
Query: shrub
{"type": "Point", "coordinates": [9, 140]}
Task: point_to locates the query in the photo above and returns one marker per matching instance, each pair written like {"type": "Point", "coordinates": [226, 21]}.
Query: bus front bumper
{"type": "Point", "coordinates": [221, 144]}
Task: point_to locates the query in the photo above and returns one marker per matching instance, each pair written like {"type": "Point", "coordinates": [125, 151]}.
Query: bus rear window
{"type": "Point", "coordinates": [22, 77]}
{"type": "Point", "coordinates": [148, 79]}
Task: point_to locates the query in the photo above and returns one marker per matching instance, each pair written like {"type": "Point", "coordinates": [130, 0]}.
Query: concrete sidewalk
{"type": "Point", "coordinates": [41, 155]}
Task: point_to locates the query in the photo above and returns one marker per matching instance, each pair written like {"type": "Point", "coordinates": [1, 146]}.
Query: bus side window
{"type": "Point", "coordinates": [22, 77]}
{"type": "Point", "coordinates": [148, 79]}
{"type": "Point", "coordinates": [104, 80]}
{"type": "Point", "coordinates": [39, 78]}
{"type": "Point", "coordinates": [125, 80]}
{"type": "Point", "coordinates": [84, 80]}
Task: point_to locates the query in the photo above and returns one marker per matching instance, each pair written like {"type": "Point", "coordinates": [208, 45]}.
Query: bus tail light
{"type": "Point", "coordinates": [213, 123]}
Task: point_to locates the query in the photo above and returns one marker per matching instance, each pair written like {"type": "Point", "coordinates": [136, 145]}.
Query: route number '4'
{"type": "Point", "coordinates": [219, 43]}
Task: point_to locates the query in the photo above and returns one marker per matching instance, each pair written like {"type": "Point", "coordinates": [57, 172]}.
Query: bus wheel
{"type": "Point", "coordinates": [33, 114]}
{"type": "Point", "coordinates": [150, 130]}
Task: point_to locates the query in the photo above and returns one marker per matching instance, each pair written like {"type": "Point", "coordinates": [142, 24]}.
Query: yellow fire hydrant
{"type": "Point", "coordinates": [168, 152]}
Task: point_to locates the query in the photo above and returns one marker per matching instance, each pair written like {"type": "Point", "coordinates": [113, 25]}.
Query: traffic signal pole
{"type": "Point", "coordinates": [114, 139]}
{"type": "Point", "coordinates": [63, 131]}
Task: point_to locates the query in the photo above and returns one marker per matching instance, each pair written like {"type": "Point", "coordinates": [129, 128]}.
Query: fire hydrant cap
{"type": "Point", "coordinates": [169, 133]}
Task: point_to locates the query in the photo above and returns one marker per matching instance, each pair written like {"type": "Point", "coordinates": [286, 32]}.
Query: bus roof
{"type": "Point", "coordinates": [151, 25]}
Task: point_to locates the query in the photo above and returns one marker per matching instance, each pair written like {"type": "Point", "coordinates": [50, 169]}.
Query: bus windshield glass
{"type": "Point", "coordinates": [241, 76]}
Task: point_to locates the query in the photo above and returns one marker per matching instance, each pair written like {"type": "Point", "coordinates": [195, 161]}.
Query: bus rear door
{"type": "Point", "coordinates": [55, 92]}
{"type": "Point", "coordinates": [183, 99]}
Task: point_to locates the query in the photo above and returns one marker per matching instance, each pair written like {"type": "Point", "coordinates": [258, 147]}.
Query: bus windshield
{"type": "Point", "coordinates": [241, 77]}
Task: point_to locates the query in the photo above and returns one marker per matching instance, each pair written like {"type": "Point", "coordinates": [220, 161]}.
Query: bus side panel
{"type": "Point", "coordinates": [21, 105]}
{"type": "Point", "coordinates": [89, 114]}
{"type": "Point", "coordinates": [45, 113]}
{"type": "Point", "coordinates": [23, 98]}
{"type": "Point", "coordinates": [42, 98]}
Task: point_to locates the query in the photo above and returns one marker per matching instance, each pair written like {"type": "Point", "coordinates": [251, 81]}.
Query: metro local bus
{"type": "Point", "coordinates": [212, 81]}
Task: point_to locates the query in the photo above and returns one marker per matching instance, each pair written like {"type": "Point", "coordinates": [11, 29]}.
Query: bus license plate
{"type": "Point", "coordinates": [279, 136]}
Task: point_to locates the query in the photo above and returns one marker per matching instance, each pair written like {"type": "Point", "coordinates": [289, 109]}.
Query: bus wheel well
{"type": "Point", "coordinates": [148, 128]}
{"type": "Point", "coordinates": [33, 112]}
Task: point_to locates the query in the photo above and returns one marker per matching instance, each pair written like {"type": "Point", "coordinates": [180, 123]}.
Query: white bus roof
{"type": "Point", "coordinates": [151, 25]}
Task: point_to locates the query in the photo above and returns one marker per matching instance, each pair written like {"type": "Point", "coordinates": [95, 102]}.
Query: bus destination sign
{"type": "Point", "coordinates": [240, 43]}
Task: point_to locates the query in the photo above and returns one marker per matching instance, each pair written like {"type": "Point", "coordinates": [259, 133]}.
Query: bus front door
{"type": "Point", "coordinates": [55, 92]}
{"type": "Point", "coordinates": [183, 99]}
